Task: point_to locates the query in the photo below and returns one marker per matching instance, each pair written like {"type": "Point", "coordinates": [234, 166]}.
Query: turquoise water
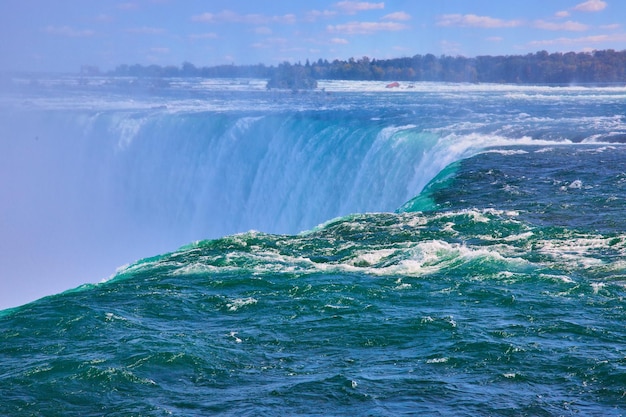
{"type": "Point", "coordinates": [497, 290]}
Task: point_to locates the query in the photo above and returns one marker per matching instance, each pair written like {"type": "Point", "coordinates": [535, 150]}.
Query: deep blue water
{"type": "Point", "coordinates": [440, 249]}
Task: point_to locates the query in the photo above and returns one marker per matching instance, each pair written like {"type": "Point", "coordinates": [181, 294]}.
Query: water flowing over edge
{"type": "Point", "coordinates": [124, 170]}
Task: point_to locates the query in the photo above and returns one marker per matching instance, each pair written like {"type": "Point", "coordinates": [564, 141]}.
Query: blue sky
{"type": "Point", "coordinates": [62, 35]}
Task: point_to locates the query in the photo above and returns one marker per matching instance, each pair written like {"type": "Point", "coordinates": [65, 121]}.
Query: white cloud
{"type": "Point", "coordinates": [289, 19]}
{"type": "Point", "coordinates": [364, 28]}
{"type": "Point", "coordinates": [494, 39]}
{"type": "Point", "coordinates": [472, 20]}
{"type": "Point", "coordinates": [352, 7]}
{"type": "Point", "coordinates": [68, 32]}
{"type": "Point", "coordinates": [199, 36]}
{"type": "Point", "coordinates": [613, 26]}
{"type": "Point", "coordinates": [314, 15]}
{"type": "Point", "coordinates": [339, 41]}
{"type": "Point", "coordinates": [160, 50]}
{"type": "Point", "coordinates": [621, 37]}
{"type": "Point", "coordinates": [400, 48]}
{"type": "Point", "coordinates": [204, 18]}
{"type": "Point", "coordinates": [228, 16]}
{"type": "Point", "coordinates": [590, 6]}
{"type": "Point", "coordinates": [270, 43]}
{"type": "Point", "coordinates": [569, 26]}
{"type": "Point", "coordinates": [127, 6]}
{"type": "Point", "coordinates": [277, 41]}
{"type": "Point", "coordinates": [103, 18]}
{"type": "Point", "coordinates": [146, 31]}
{"type": "Point", "coordinates": [263, 30]}
{"type": "Point", "coordinates": [400, 16]}
{"type": "Point", "coordinates": [562, 13]}
{"type": "Point", "coordinates": [450, 48]}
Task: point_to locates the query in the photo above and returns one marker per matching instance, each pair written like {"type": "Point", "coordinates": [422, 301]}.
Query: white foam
{"type": "Point", "coordinates": [237, 303]}
{"type": "Point", "coordinates": [450, 320]}
{"type": "Point", "coordinates": [581, 252]}
{"type": "Point", "coordinates": [437, 360]}
{"type": "Point", "coordinates": [514, 91]}
{"type": "Point", "coordinates": [191, 268]}
{"type": "Point", "coordinates": [521, 236]}
{"type": "Point", "coordinates": [372, 257]}
{"type": "Point", "coordinates": [545, 150]}
{"type": "Point", "coordinates": [335, 307]}
{"type": "Point", "coordinates": [111, 317]}
{"type": "Point", "coordinates": [576, 184]}
{"type": "Point", "coordinates": [234, 336]}
{"type": "Point", "coordinates": [562, 278]}
{"type": "Point", "coordinates": [597, 286]}
{"type": "Point", "coordinates": [508, 152]}
{"type": "Point", "coordinates": [402, 285]}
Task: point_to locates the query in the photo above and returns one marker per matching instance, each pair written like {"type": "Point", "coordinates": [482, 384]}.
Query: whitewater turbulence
{"type": "Point", "coordinates": [106, 173]}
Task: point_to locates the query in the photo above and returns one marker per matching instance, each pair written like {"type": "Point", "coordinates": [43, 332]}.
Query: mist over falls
{"type": "Point", "coordinates": [108, 188]}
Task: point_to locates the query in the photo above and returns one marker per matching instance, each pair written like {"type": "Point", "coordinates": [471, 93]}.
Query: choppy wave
{"type": "Point", "coordinates": [368, 314]}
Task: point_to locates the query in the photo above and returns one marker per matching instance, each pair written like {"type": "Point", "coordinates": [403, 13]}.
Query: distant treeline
{"type": "Point", "coordinates": [606, 66]}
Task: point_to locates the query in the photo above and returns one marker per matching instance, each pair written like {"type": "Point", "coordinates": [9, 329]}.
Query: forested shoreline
{"type": "Point", "coordinates": [599, 67]}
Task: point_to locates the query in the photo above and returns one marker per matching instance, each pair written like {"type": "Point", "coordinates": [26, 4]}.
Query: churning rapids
{"type": "Point", "coordinates": [435, 249]}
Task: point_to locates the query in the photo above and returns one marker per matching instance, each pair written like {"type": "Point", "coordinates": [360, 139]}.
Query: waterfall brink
{"type": "Point", "coordinates": [205, 175]}
{"type": "Point", "coordinates": [109, 187]}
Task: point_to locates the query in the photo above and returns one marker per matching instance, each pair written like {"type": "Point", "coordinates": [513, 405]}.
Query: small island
{"type": "Point", "coordinates": [291, 77]}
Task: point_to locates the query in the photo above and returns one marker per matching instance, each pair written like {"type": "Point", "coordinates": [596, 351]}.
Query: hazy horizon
{"type": "Point", "coordinates": [63, 36]}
